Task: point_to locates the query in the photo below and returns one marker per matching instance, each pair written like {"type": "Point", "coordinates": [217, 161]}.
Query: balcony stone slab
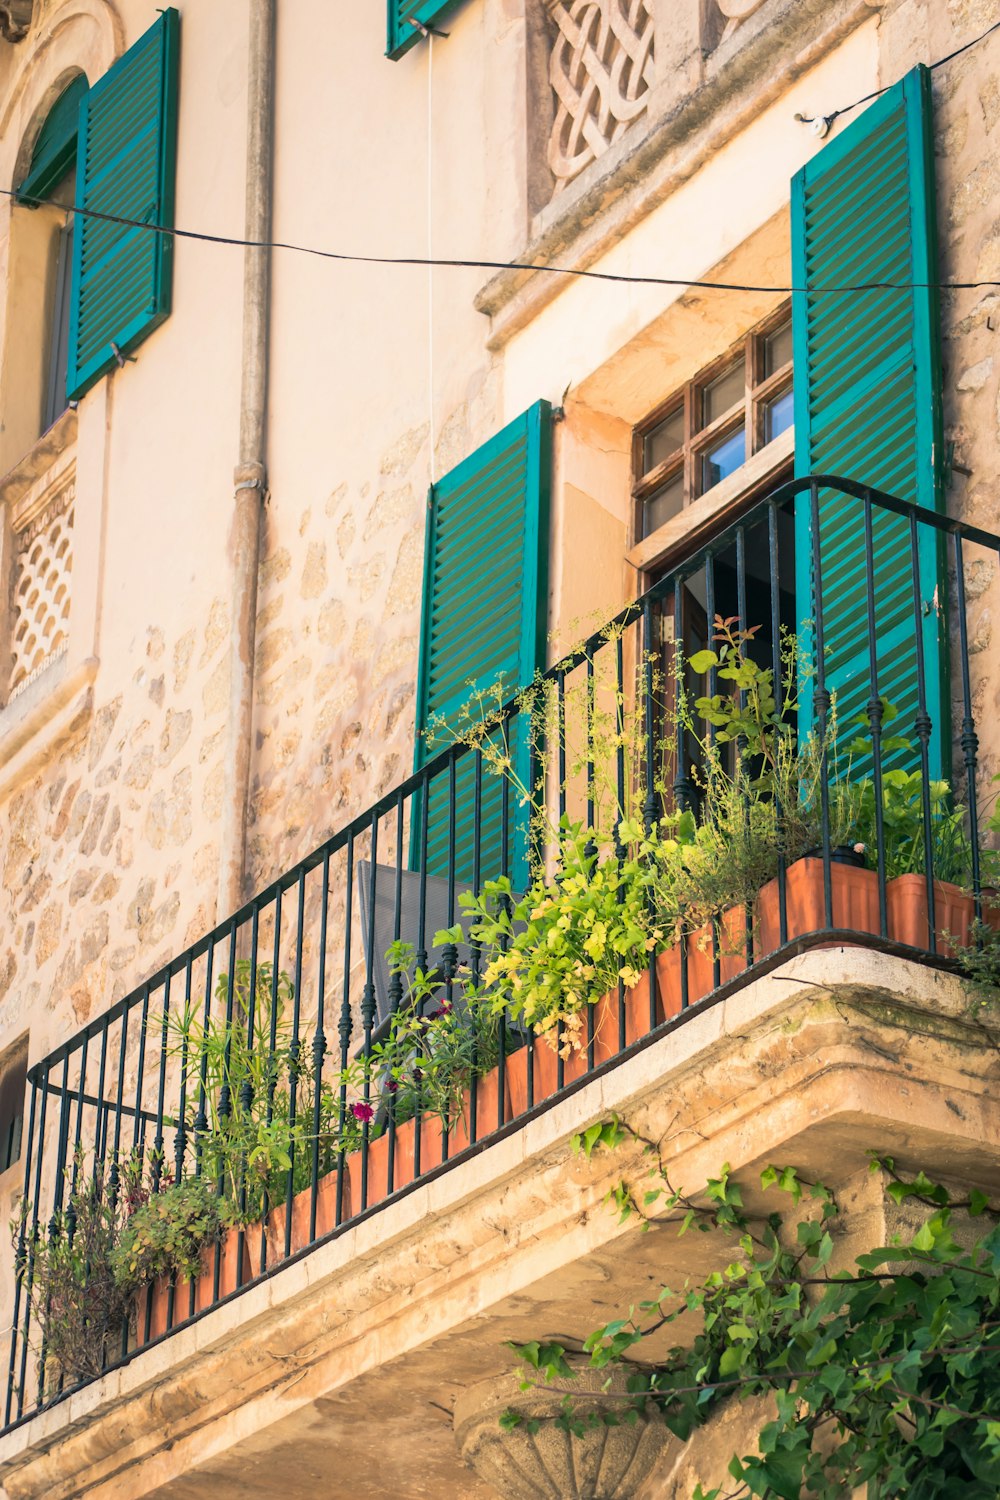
{"type": "Point", "coordinates": [339, 1373]}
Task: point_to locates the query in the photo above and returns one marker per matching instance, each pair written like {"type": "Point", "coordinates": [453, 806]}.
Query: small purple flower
{"type": "Point", "coordinates": [363, 1112]}
{"type": "Point", "coordinates": [391, 1086]}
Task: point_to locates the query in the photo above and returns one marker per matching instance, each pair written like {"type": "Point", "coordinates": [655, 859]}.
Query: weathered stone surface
{"type": "Point", "coordinates": [604, 1464]}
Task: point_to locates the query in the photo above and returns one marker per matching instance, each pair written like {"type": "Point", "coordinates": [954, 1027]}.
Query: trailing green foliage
{"type": "Point", "coordinates": [436, 1042]}
{"type": "Point", "coordinates": [165, 1235]}
{"type": "Point", "coordinates": [886, 1372]}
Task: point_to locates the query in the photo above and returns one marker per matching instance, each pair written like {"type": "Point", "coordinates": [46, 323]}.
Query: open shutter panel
{"type": "Point", "coordinates": [55, 148]}
{"type": "Point", "coordinates": [484, 622]}
{"type": "Point", "coordinates": [122, 276]}
{"type": "Point", "coordinates": [401, 32]}
{"type": "Point", "coordinates": [868, 408]}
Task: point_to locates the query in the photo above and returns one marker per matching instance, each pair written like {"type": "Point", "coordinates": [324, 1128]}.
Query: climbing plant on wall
{"type": "Point", "coordinates": [885, 1371]}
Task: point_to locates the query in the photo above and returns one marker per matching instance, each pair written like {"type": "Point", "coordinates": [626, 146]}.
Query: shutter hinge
{"type": "Point", "coordinates": [425, 30]}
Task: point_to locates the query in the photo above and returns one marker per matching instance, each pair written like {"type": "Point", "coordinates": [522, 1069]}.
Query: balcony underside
{"type": "Point", "coordinates": [337, 1374]}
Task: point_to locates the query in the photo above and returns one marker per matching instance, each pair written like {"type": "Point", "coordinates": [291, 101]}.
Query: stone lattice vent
{"type": "Point", "coordinates": [42, 568]}
{"type": "Point", "coordinates": [601, 71]}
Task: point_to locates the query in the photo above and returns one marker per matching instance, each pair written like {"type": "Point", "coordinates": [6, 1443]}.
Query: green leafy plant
{"type": "Point", "coordinates": [436, 1042]}
{"type": "Point", "coordinates": [240, 1062]}
{"type": "Point", "coordinates": [568, 940]}
{"type": "Point", "coordinates": [166, 1234]}
{"type": "Point", "coordinates": [76, 1306]}
{"type": "Point", "coordinates": [885, 1373]}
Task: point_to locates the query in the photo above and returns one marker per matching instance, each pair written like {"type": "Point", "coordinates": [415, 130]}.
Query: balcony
{"type": "Point", "coordinates": [394, 1151]}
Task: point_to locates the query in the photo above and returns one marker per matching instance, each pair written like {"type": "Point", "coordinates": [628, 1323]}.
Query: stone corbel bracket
{"type": "Point", "coordinates": [15, 19]}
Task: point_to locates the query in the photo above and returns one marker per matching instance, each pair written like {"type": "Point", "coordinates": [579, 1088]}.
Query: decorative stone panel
{"type": "Point", "coordinates": [735, 11]}
{"type": "Point", "coordinates": [15, 18]}
{"type": "Point", "coordinates": [601, 70]}
{"type": "Point", "coordinates": [42, 565]}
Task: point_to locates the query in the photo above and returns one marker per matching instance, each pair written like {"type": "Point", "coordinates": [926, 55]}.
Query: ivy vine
{"type": "Point", "coordinates": [884, 1373]}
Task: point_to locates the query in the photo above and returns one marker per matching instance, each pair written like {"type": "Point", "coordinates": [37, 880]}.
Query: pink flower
{"type": "Point", "coordinates": [363, 1112]}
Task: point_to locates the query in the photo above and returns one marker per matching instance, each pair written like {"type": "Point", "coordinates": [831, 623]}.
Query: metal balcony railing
{"type": "Point", "coordinates": [226, 1068]}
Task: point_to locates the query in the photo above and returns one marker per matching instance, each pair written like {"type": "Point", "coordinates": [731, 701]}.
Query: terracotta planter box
{"type": "Point", "coordinates": [855, 902]}
{"type": "Point", "coordinates": [431, 1145]}
{"type": "Point", "coordinates": [954, 912]}
{"type": "Point", "coordinates": [607, 1039]}
{"type": "Point", "coordinates": [326, 1216]}
{"type": "Point", "coordinates": [157, 1299]}
{"type": "Point", "coordinates": [228, 1250]}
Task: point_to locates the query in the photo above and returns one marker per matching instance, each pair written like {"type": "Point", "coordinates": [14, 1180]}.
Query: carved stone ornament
{"type": "Point", "coordinates": [539, 1461]}
{"type": "Point", "coordinates": [601, 71]}
{"type": "Point", "coordinates": [736, 11]}
{"type": "Point", "coordinates": [15, 18]}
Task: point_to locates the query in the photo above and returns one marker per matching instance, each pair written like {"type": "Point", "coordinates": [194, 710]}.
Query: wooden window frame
{"type": "Point", "coordinates": [759, 390]}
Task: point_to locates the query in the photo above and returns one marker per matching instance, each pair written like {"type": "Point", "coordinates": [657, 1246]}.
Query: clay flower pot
{"type": "Point", "coordinates": [326, 1216]}
{"type": "Point", "coordinates": [234, 1269]}
{"type": "Point", "coordinates": [154, 1301]}
{"type": "Point", "coordinates": [954, 912]}
{"type": "Point", "coordinates": [607, 1038]}
{"type": "Point", "coordinates": [855, 902]}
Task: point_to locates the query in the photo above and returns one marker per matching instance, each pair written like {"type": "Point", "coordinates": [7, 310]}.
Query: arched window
{"type": "Point", "coordinates": [43, 246]}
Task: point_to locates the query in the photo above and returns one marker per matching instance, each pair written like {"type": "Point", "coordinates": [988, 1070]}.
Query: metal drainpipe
{"type": "Point", "coordinates": [251, 473]}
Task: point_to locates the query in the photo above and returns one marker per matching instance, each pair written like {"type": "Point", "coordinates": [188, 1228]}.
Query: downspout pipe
{"type": "Point", "coordinates": [250, 477]}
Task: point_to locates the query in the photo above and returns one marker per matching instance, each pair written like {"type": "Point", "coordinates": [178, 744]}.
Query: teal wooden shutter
{"type": "Point", "coordinates": [122, 276]}
{"type": "Point", "coordinates": [401, 34]}
{"type": "Point", "coordinates": [484, 621]}
{"type": "Point", "coordinates": [868, 407]}
{"type": "Point", "coordinates": [55, 148]}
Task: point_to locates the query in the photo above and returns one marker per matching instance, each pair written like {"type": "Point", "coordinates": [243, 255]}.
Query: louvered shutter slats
{"type": "Point", "coordinates": [867, 394]}
{"type": "Point", "coordinates": [122, 274]}
{"type": "Point", "coordinates": [484, 620]}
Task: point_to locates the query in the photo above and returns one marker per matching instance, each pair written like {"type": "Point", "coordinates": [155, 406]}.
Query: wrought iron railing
{"type": "Point", "coordinates": [250, 1028]}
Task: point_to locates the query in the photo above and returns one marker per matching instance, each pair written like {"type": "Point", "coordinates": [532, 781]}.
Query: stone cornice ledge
{"type": "Point", "coordinates": [59, 704]}
{"type": "Point", "coordinates": [742, 78]}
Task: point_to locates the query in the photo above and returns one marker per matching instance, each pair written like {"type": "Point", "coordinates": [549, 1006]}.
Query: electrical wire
{"type": "Point", "coordinates": [847, 109]}
{"type": "Point", "coordinates": [439, 262]}
{"type": "Point", "coordinates": [430, 263]}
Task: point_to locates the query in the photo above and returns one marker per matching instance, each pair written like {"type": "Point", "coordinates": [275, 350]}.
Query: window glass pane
{"type": "Point", "coordinates": [666, 437]}
{"type": "Point", "coordinates": [667, 502]}
{"type": "Point", "coordinates": [779, 415]}
{"type": "Point", "coordinates": [722, 460]}
{"type": "Point", "coordinates": [722, 395]}
{"type": "Point", "coordinates": [778, 349]}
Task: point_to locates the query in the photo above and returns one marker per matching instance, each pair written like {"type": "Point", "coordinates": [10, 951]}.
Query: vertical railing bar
{"type": "Point", "coordinates": [776, 671]}
{"type": "Point", "coordinates": [180, 1136]}
{"type": "Point", "coordinates": [21, 1255]}
{"type": "Point", "coordinates": [245, 1100]}
{"type": "Point", "coordinates": [682, 787]}
{"type": "Point", "coordinates": [713, 687]}
{"type": "Point", "coordinates": [650, 809]}
{"type": "Point", "coordinates": [368, 991]}
{"type": "Point", "coordinates": [294, 1053]}
{"type": "Point", "coordinates": [740, 747]}
{"type": "Point", "coordinates": [225, 1092]}
{"type": "Point", "coordinates": [822, 700]}
{"type": "Point", "coordinates": [35, 1206]}
{"type": "Point", "coordinates": [620, 809]}
{"type": "Point", "coordinates": [345, 1027]}
{"type": "Point", "coordinates": [272, 1081]}
{"type": "Point", "coordinates": [562, 804]}
{"type": "Point", "coordinates": [970, 739]}
{"type": "Point", "coordinates": [319, 1039]}
{"type": "Point", "coordinates": [875, 712]}
{"type": "Point", "coordinates": [923, 727]}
